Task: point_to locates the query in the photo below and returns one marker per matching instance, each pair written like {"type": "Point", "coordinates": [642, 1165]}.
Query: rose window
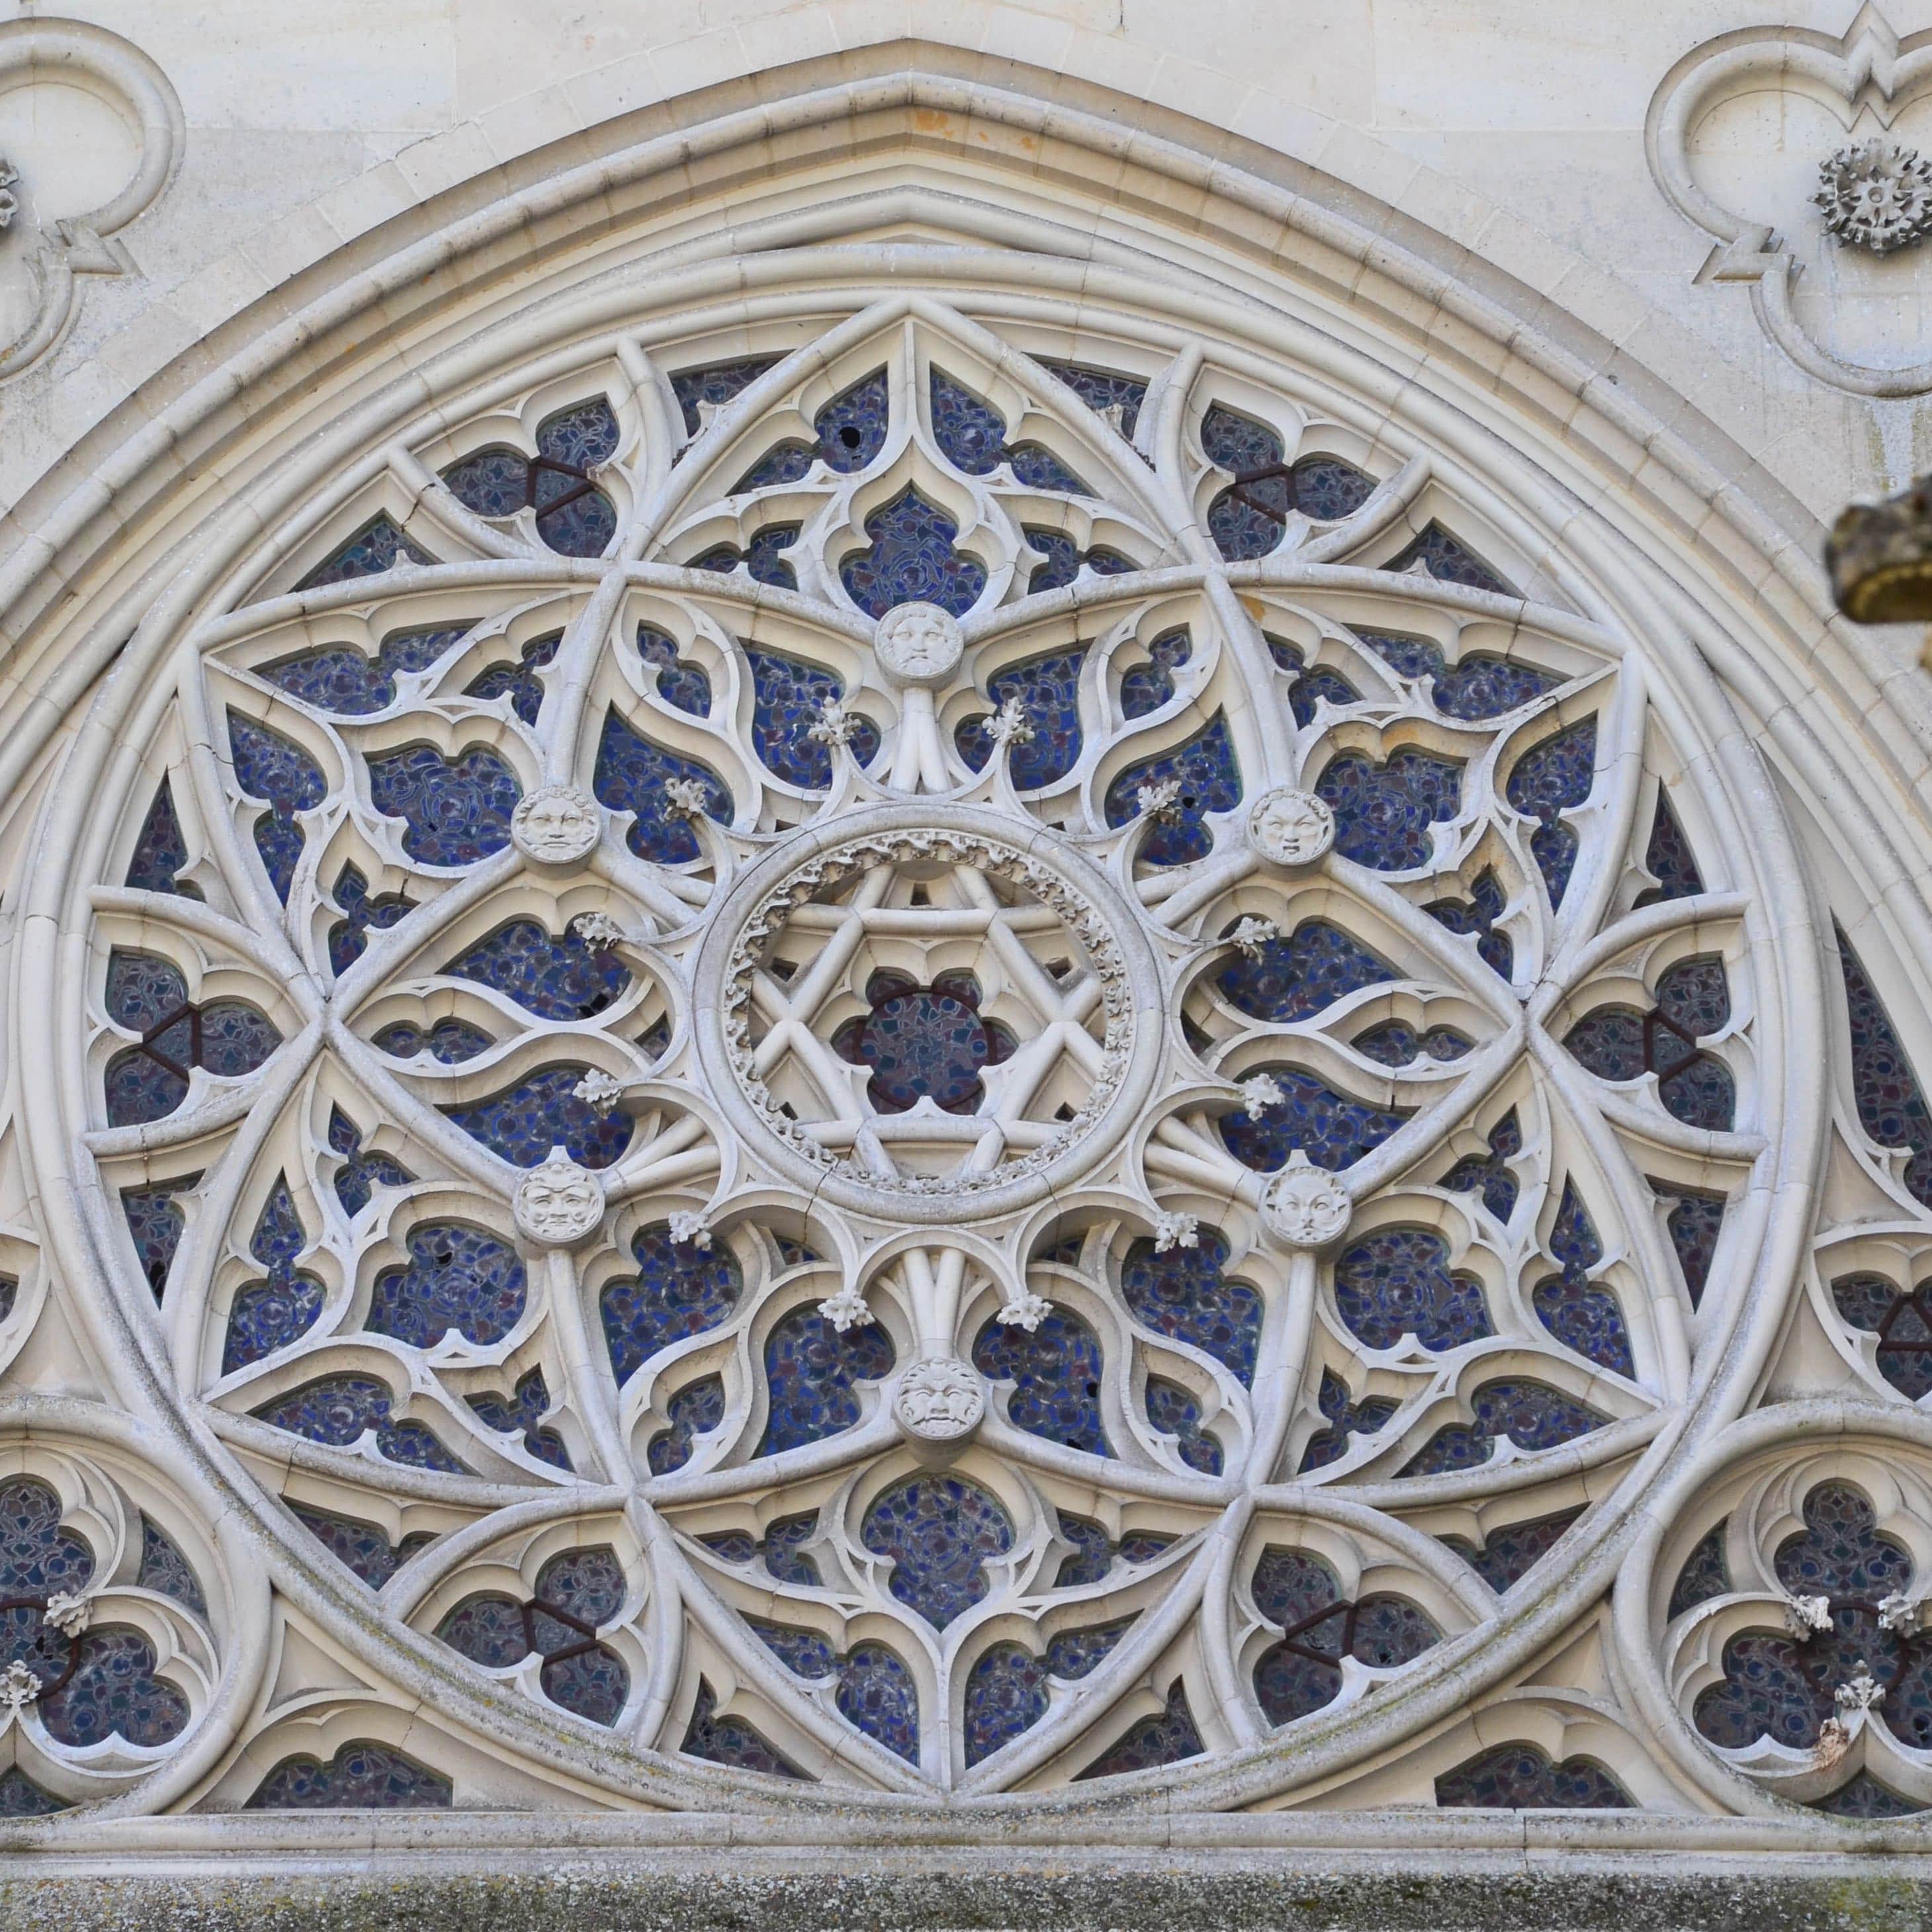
{"type": "Point", "coordinates": [870, 1056]}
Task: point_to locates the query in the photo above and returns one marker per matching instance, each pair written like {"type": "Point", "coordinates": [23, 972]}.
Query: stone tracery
{"type": "Point", "coordinates": [952, 1062]}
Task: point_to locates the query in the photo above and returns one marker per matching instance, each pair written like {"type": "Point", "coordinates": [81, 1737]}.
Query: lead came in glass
{"type": "Point", "coordinates": [940, 1532]}
{"type": "Point", "coordinates": [912, 559]}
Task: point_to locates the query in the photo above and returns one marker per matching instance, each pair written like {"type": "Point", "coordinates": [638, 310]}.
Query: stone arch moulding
{"type": "Point", "coordinates": [71, 53]}
{"type": "Point", "coordinates": [1867, 71]}
{"type": "Point", "coordinates": [608, 792]}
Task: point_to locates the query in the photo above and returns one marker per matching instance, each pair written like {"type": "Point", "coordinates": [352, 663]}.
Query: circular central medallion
{"type": "Point", "coordinates": [930, 1015]}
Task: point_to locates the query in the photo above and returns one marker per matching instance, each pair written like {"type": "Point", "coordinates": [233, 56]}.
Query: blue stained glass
{"type": "Point", "coordinates": [1551, 779]}
{"type": "Point", "coordinates": [1006, 1689]}
{"type": "Point", "coordinates": [450, 1041]}
{"type": "Point", "coordinates": [1478, 915]}
{"type": "Point", "coordinates": [557, 977]}
{"type": "Point", "coordinates": [1174, 1411]}
{"type": "Point", "coordinates": [1055, 1369]}
{"type": "Point", "coordinates": [1508, 1554]}
{"type": "Point", "coordinates": [1862, 1796]}
{"type": "Point", "coordinates": [348, 937]}
{"type": "Point", "coordinates": [1704, 1574]}
{"type": "Point", "coordinates": [911, 560]}
{"type": "Point", "coordinates": [161, 850]}
{"type": "Point", "coordinates": [972, 436]}
{"type": "Point", "coordinates": [1902, 1321]}
{"type": "Point", "coordinates": [1397, 1043]}
{"type": "Point", "coordinates": [1209, 781]}
{"type": "Point", "coordinates": [1531, 1414]}
{"type": "Point", "coordinates": [360, 1173]}
{"type": "Point", "coordinates": [1582, 1314]}
{"type": "Point", "coordinates": [157, 1225]}
{"type": "Point", "coordinates": [1247, 519]}
{"type": "Point", "coordinates": [1522, 1777]}
{"type": "Point", "coordinates": [683, 685]}
{"type": "Point", "coordinates": [1103, 389]}
{"type": "Point", "coordinates": [1490, 1172]}
{"type": "Point", "coordinates": [520, 1414]}
{"type": "Point", "coordinates": [1891, 1103]}
{"type": "Point", "coordinates": [1366, 1418]}
{"type": "Point", "coordinates": [1383, 812]}
{"type": "Point", "coordinates": [585, 434]}
{"type": "Point", "coordinates": [762, 557]}
{"type": "Point", "coordinates": [111, 1690]}
{"type": "Point", "coordinates": [1397, 1281]}
{"type": "Point", "coordinates": [1777, 1686]}
{"type": "Point", "coordinates": [694, 1410]}
{"type": "Point", "coordinates": [1479, 684]}
{"type": "Point", "coordinates": [573, 517]}
{"type": "Point", "coordinates": [1668, 859]}
{"type": "Point", "coordinates": [876, 1694]}
{"type": "Point", "coordinates": [377, 546]}
{"type": "Point", "coordinates": [457, 810]}
{"type": "Point", "coordinates": [923, 1042]}
{"type": "Point", "coordinates": [939, 1531]}
{"type": "Point", "coordinates": [1300, 974]}
{"type": "Point", "coordinates": [788, 697]}
{"type": "Point", "coordinates": [731, 1741]}
{"type": "Point", "coordinates": [144, 991]}
{"type": "Point", "coordinates": [524, 1122]}
{"type": "Point", "coordinates": [145, 994]}
{"type": "Point", "coordinates": [1146, 688]}
{"type": "Point", "coordinates": [1302, 1672]}
{"type": "Point", "coordinates": [1168, 1737]}
{"type": "Point", "coordinates": [360, 1546]}
{"type": "Point", "coordinates": [1064, 557]}
{"type": "Point", "coordinates": [1048, 687]}
{"type": "Point", "coordinates": [338, 679]}
{"type": "Point", "coordinates": [1311, 687]}
{"type": "Point", "coordinates": [337, 1410]}
{"type": "Point", "coordinates": [851, 431]}
{"type": "Point", "coordinates": [810, 1369]}
{"type": "Point", "coordinates": [1095, 1552]}
{"type": "Point", "coordinates": [519, 682]}
{"type": "Point", "coordinates": [782, 1547]}
{"type": "Point", "coordinates": [269, 1314]}
{"type": "Point", "coordinates": [1185, 1295]}
{"type": "Point", "coordinates": [1326, 489]}
{"type": "Point", "coordinates": [718, 383]}
{"type": "Point", "coordinates": [632, 775]}
{"type": "Point", "coordinates": [492, 482]}
{"type": "Point", "coordinates": [970, 433]}
{"type": "Point", "coordinates": [361, 1776]}
{"type": "Point", "coordinates": [271, 767]}
{"type": "Point", "coordinates": [456, 1277]}
{"type": "Point", "coordinates": [1334, 1129]}
{"type": "Point", "coordinates": [164, 1568]}
{"type": "Point", "coordinates": [39, 1556]}
{"type": "Point", "coordinates": [1694, 1001]}
{"type": "Point", "coordinates": [679, 1291]}
{"type": "Point", "coordinates": [1449, 560]}
{"type": "Point", "coordinates": [20, 1797]}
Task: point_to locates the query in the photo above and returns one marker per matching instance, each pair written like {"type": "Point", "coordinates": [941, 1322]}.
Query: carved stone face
{"type": "Point", "coordinates": [1288, 827]}
{"type": "Point", "coordinates": [559, 1202]}
{"type": "Point", "coordinates": [940, 1400]}
{"type": "Point", "coordinates": [1306, 1206]}
{"type": "Point", "coordinates": [556, 825]}
{"type": "Point", "coordinates": [918, 644]}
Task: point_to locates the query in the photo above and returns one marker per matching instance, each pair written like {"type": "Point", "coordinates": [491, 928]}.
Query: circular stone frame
{"type": "Point", "coordinates": [1132, 997]}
